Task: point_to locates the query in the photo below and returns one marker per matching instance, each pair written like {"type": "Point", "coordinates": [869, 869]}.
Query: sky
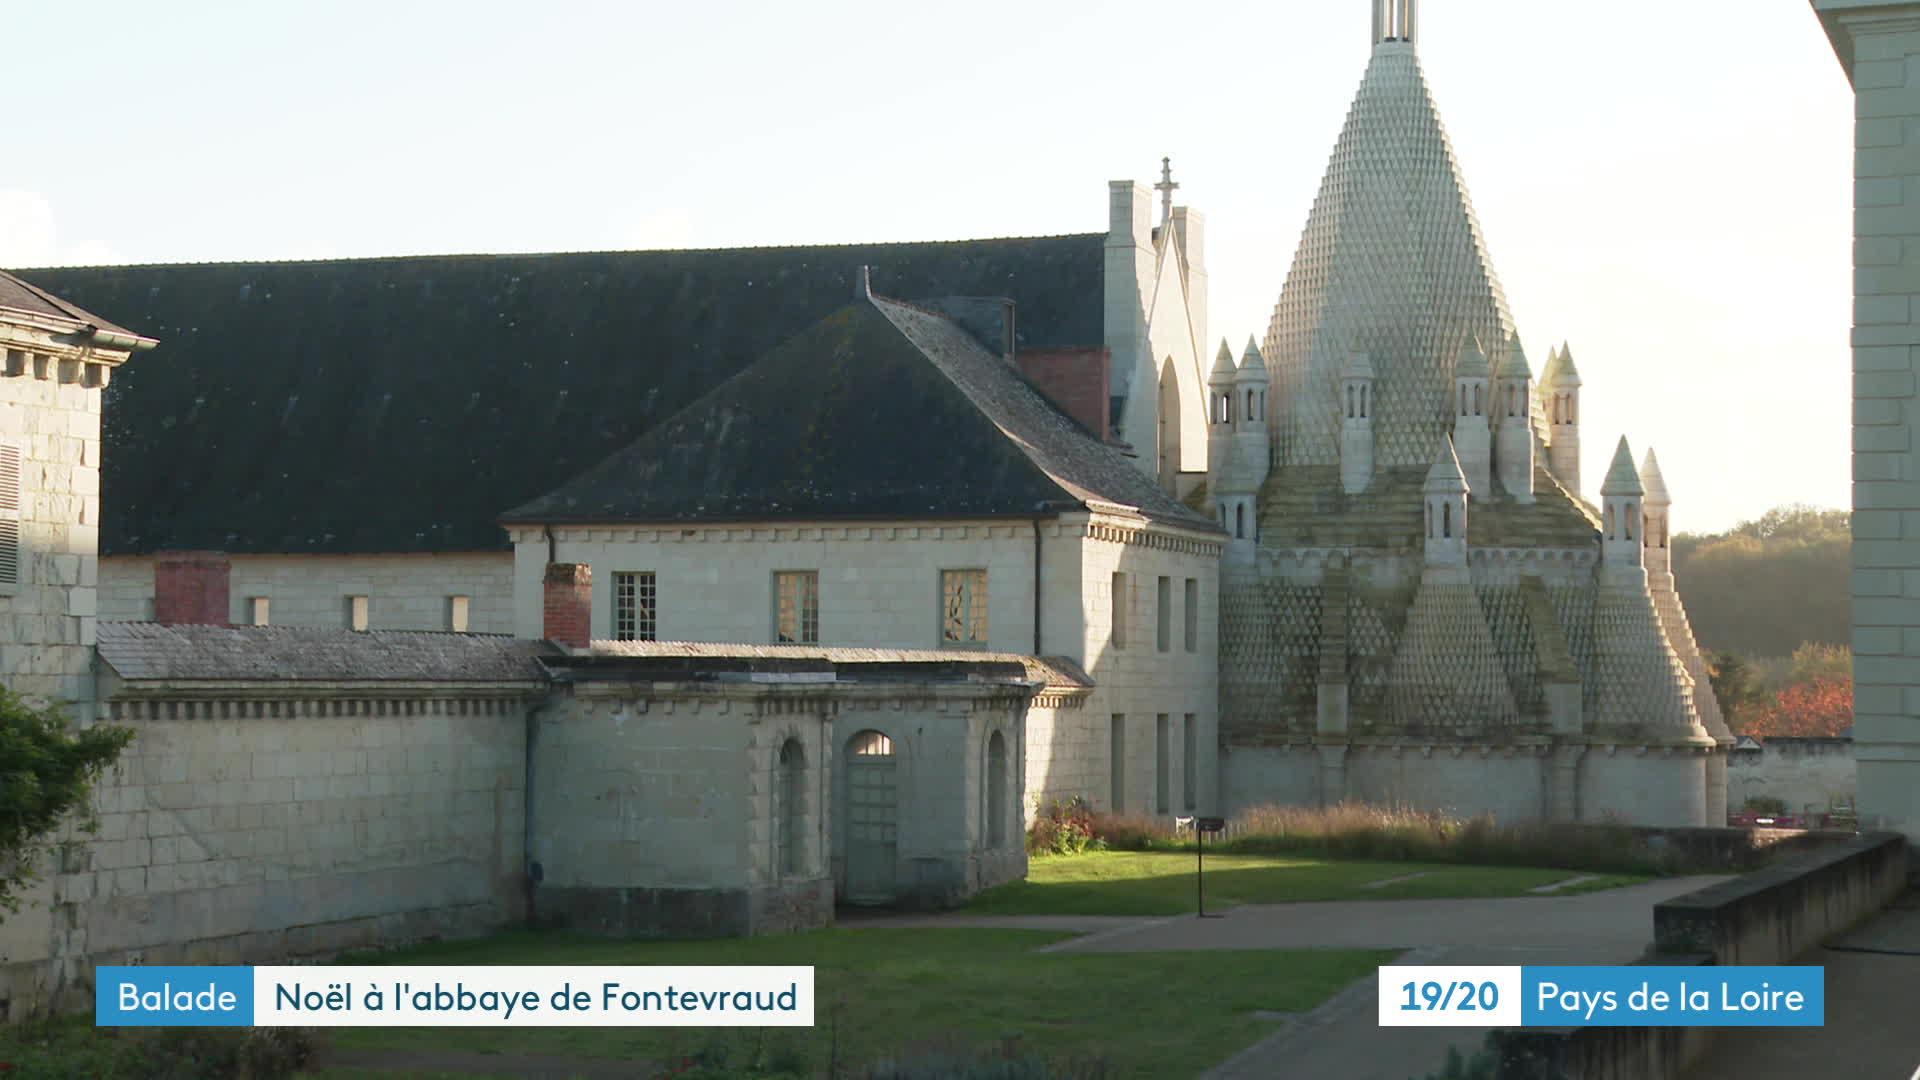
{"type": "Point", "coordinates": [1667, 186]}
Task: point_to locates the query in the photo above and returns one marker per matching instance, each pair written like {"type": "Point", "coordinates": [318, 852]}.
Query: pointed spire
{"type": "Point", "coordinates": [1655, 484]}
{"type": "Point", "coordinates": [1553, 365]}
{"type": "Point", "coordinates": [1252, 364]}
{"type": "Point", "coordinates": [1566, 374]}
{"type": "Point", "coordinates": [1514, 365]}
{"type": "Point", "coordinates": [1222, 364]}
{"type": "Point", "coordinates": [1446, 474]}
{"type": "Point", "coordinates": [1622, 477]}
{"type": "Point", "coordinates": [1472, 362]}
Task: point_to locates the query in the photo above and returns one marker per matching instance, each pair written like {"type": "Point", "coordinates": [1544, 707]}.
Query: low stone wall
{"type": "Point", "coordinates": [1775, 914]}
{"type": "Point", "coordinates": [1802, 773]}
{"type": "Point", "coordinates": [1771, 916]}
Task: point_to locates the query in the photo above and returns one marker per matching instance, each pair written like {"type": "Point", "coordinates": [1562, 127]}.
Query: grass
{"type": "Point", "coordinates": [1145, 1014]}
{"type": "Point", "coordinates": [1162, 883]}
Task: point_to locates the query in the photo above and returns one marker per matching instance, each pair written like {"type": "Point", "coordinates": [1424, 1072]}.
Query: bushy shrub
{"type": "Point", "coordinates": [46, 1050]}
{"type": "Point", "coordinates": [1063, 829]}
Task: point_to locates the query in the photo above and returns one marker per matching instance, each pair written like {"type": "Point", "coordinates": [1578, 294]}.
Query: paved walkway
{"type": "Point", "coordinates": [1873, 983]}
{"type": "Point", "coordinates": [1342, 1038]}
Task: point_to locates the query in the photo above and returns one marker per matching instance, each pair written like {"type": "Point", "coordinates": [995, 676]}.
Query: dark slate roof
{"type": "Point", "coordinates": [400, 404]}
{"type": "Point", "coordinates": [1058, 673]}
{"type": "Point", "coordinates": [151, 651]}
{"type": "Point", "coordinates": [881, 410]}
{"type": "Point", "coordinates": [22, 296]}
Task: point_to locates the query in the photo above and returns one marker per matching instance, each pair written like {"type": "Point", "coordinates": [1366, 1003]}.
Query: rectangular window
{"type": "Point", "coordinates": [1163, 627]}
{"type": "Point", "coordinates": [1117, 756]}
{"type": "Point", "coordinates": [1192, 612]}
{"type": "Point", "coordinates": [258, 610]}
{"type": "Point", "coordinates": [796, 611]}
{"type": "Point", "coordinates": [458, 609]}
{"type": "Point", "coordinates": [357, 615]}
{"type": "Point", "coordinates": [1119, 632]}
{"type": "Point", "coordinates": [10, 499]}
{"type": "Point", "coordinates": [1189, 762]}
{"type": "Point", "coordinates": [1162, 763]}
{"type": "Point", "coordinates": [635, 616]}
{"type": "Point", "coordinates": [963, 609]}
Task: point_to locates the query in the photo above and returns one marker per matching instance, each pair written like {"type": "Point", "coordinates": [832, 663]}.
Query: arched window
{"type": "Point", "coordinates": [870, 744]}
{"type": "Point", "coordinates": [1429, 521]}
{"type": "Point", "coordinates": [1633, 519]}
{"type": "Point", "coordinates": [1446, 520]}
{"type": "Point", "coordinates": [792, 834]}
{"type": "Point", "coordinates": [996, 790]}
{"type": "Point", "coordinates": [1611, 535]}
{"type": "Point", "coordinates": [1477, 406]}
{"type": "Point", "coordinates": [1350, 412]}
{"type": "Point", "coordinates": [1240, 521]}
{"type": "Point", "coordinates": [1363, 400]}
{"type": "Point", "coordinates": [1249, 404]}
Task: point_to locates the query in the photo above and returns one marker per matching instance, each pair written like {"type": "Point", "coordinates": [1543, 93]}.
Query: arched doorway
{"type": "Point", "coordinates": [873, 814]}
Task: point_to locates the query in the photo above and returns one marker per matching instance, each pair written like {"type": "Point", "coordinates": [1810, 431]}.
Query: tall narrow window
{"type": "Point", "coordinates": [634, 612]}
{"type": "Point", "coordinates": [1191, 612]}
{"type": "Point", "coordinates": [796, 613]}
{"type": "Point", "coordinates": [963, 609]}
{"type": "Point", "coordinates": [1189, 763]}
{"type": "Point", "coordinates": [1117, 764]}
{"type": "Point", "coordinates": [1162, 764]}
{"type": "Point", "coordinates": [996, 790]}
{"type": "Point", "coordinates": [458, 609]}
{"type": "Point", "coordinates": [259, 608]}
{"type": "Point", "coordinates": [1118, 632]}
{"type": "Point", "coordinates": [792, 834]}
{"type": "Point", "coordinates": [1163, 616]}
{"type": "Point", "coordinates": [358, 615]}
{"type": "Point", "coordinates": [10, 560]}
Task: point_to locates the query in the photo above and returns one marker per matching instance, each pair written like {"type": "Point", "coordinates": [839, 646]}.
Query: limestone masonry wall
{"type": "Point", "coordinates": [47, 615]}
{"type": "Point", "coordinates": [1801, 773]}
{"type": "Point", "coordinates": [404, 592]}
{"type": "Point", "coordinates": [273, 828]}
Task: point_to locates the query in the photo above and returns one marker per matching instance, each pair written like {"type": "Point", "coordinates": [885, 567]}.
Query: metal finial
{"type": "Point", "coordinates": [1166, 187]}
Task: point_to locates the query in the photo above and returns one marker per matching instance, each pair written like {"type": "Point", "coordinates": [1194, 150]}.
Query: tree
{"type": "Point", "coordinates": [47, 772]}
{"type": "Point", "coordinates": [1819, 707]}
{"type": "Point", "coordinates": [1734, 686]}
{"type": "Point", "coordinates": [1767, 585]}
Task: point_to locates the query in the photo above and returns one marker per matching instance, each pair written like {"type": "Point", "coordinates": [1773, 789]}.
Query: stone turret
{"type": "Point", "coordinates": [1250, 435]}
{"type": "Point", "coordinates": [1622, 499]}
{"type": "Point", "coordinates": [1472, 437]}
{"type": "Point", "coordinates": [1220, 464]}
{"type": "Point", "coordinates": [1513, 403]}
{"type": "Point", "coordinates": [1445, 493]}
{"type": "Point", "coordinates": [1356, 424]}
{"type": "Point", "coordinates": [1561, 388]}
{"type": "Point", "coordinates": [1653, 526]}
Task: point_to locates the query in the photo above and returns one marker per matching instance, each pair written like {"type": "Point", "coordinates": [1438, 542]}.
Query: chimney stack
{"type": "Point", "coordinates": [191, 587]}
{"type": "Point", "coordinates": [569, 605]}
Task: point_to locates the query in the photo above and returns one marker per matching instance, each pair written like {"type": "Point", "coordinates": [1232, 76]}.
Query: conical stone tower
{"type": "Point", "coordinates": [1392, 263]}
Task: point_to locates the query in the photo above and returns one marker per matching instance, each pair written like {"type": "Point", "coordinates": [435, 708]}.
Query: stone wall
{"type": "Point", "coordinates": [1136, 679]}
{"type": "Point", "coordinates": [47, 615]}
{"type": "Point", "coordinates": [1879, 46]}
{"type": "Point", "coordinates": [404, 592]}
{"type": "Point", "coordinates": [258, 828]}
{"type": "Point", "coordinates": [879, 586]}
{"type": "Point", "coordinates": [651, 814]}
{"type": "Point", "coordinates": [1802, 773]}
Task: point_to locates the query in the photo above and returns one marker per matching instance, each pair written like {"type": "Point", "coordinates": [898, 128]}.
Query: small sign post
{"type": "Point", "coordinates": [1201, 827]}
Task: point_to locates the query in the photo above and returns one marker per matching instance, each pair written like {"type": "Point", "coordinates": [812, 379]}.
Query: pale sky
{"type": "Point", "coordinates": [1665, 184]}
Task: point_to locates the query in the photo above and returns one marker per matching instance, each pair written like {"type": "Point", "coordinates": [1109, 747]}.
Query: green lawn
{"type": "Point", "coordinates": [1162, 883]}
{"type": "Point", "coordinates": [1146, 1014]}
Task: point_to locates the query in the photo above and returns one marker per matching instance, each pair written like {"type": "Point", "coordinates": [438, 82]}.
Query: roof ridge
{"type": "Point", "coordinates": [421, 256]}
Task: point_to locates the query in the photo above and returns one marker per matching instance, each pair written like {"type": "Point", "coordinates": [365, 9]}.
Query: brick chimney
{"type": "Point", "coordinates": [569, 604]}
{"type": "Point", "coordinates": [191, 587]}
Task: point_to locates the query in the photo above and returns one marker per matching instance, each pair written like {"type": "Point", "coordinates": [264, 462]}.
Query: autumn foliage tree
{"type": "Point", "coordinates": [1812, 697]}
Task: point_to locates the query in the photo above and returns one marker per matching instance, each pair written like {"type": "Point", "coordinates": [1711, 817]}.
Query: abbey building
{"type": "Point", "coordinates": [839, 560]}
